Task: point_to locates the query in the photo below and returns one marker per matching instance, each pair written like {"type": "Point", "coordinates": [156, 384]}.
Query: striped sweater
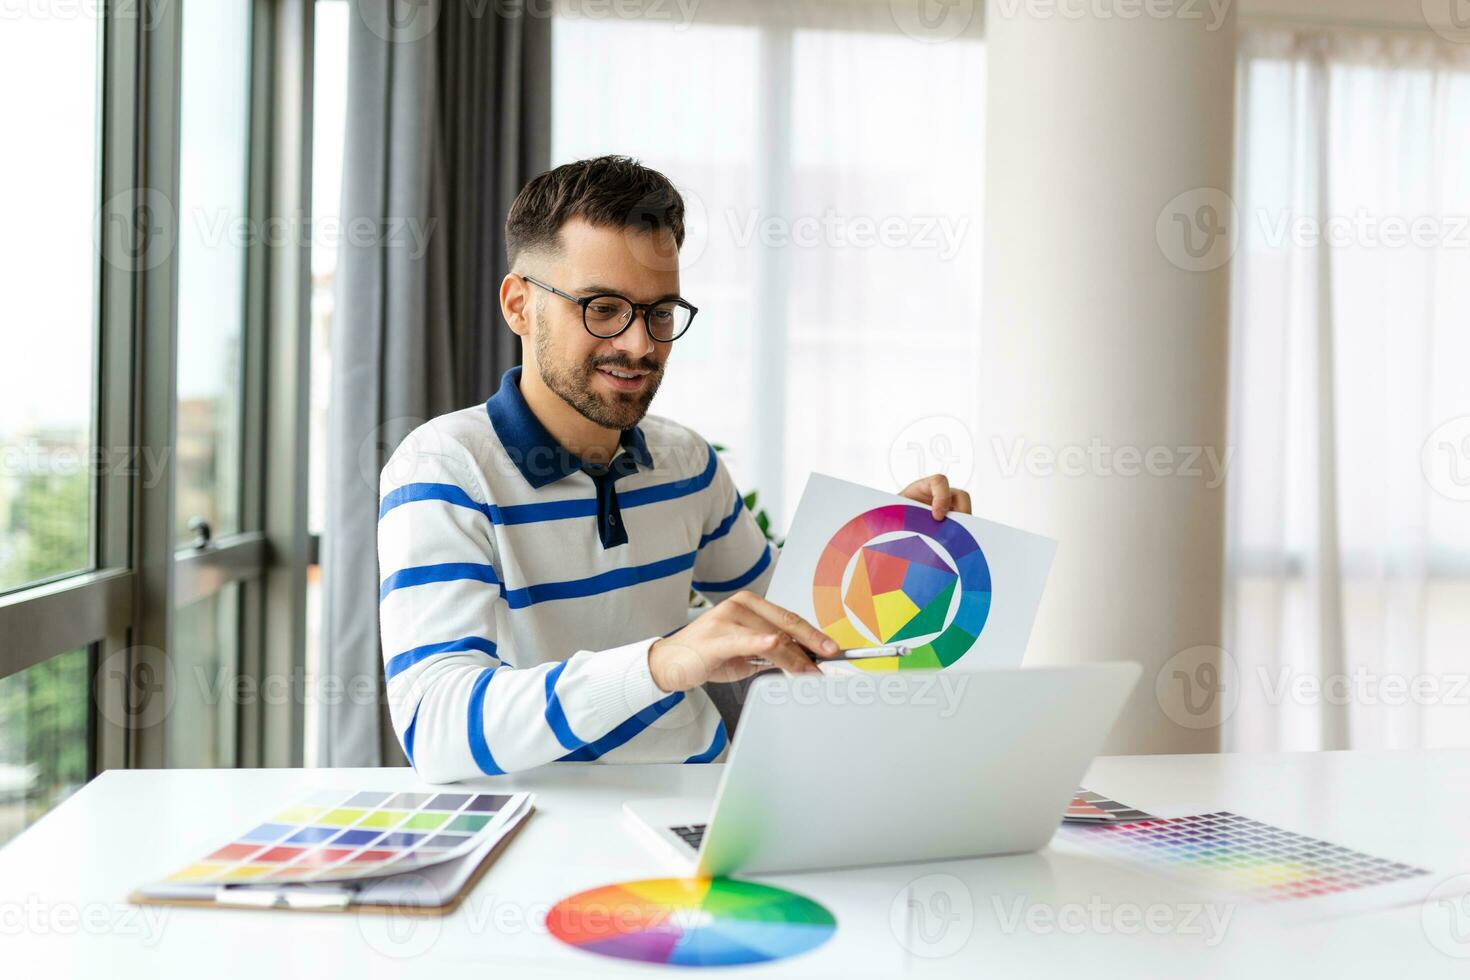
{"type": "Point", "coordinates": [520, 591]}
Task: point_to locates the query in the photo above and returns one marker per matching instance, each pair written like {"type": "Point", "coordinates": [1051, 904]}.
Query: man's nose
{"type": "Point", "coordinates": [636, 341]}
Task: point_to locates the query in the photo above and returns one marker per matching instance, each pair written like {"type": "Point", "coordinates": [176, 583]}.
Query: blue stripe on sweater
{"type": "Point", "coordinates": [725, 525]}
{"type": "Point", "coordinates": [478, 746]}
{"type": "Point", "coordinates": [609, 581]}
{"type": "Point", "coordinates": [555, 716]}
{"type": "Point", "coordinates": [715, 747]}
{"type": "Point", "coordinates": [449, 571]}
{"type": "Point", "coordinates": [551, 510]}
{"type": "Point", "coordinates": [740, 581]}
{"type": "Point", "coordinates": [624, 732]}
{"type": "Point", "coordinates": [401, 662]}
{"type": "Point", "coordinates": [673, 490]}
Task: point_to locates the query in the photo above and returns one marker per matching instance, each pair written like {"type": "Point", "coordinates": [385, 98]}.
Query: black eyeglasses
{"type": "Point", "coordinates": [608, 314]}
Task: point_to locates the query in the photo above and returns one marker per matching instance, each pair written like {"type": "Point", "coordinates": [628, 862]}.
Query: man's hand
{"type": "Point", "coordinates": [719, 645]}
{"type": "Point", "coordinates": [936, 492]}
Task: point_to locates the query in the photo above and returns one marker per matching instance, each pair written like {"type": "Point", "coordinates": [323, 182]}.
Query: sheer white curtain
{"type": "Point", "coordinates": [1348, 603]}
{"type": "Point", "coordinates": [836, 223]}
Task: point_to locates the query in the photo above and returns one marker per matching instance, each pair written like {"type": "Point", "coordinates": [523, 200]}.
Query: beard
{"type": "Point", "coordinates": [572, 383]}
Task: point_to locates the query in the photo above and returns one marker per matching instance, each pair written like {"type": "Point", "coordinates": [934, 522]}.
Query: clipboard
{"type": "Point", "coordinates": [394, 896]}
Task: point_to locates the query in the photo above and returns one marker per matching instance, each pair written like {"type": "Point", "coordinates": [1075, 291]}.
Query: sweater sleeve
{"type": "Point", "coordinates": [733, 551]}
{"type": "Point", "coordinates": [459, 706]}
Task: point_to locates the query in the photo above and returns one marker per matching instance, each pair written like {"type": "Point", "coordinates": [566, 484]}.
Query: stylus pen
{"type": "Point", "coordinates": [855, 653]}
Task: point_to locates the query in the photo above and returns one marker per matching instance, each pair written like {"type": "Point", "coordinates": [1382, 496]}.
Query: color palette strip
{"type": "Point", "coordinates": [1090, 807]}
{"type": "Point", "coordinates": [339, 835]}
{"type": "Point", "coordinates": [691, 922]}
{"type": "Point", "coordinates": [1251, 860]}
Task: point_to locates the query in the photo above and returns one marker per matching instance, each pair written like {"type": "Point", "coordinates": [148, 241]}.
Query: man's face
{"type": "Point", "coordinates": [578, 367]}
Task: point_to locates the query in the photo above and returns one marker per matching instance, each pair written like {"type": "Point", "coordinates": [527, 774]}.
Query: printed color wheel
{"type": "Point", "coordinates": [691, 922]}
{"type": "Point", "coordinates": [902, 587]}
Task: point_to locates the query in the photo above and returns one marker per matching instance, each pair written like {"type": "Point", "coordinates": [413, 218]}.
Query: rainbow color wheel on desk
{"type": "Point", "coordinates": [691, 922]}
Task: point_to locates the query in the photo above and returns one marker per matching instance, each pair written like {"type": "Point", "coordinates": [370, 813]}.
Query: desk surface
{"type": "Point", "coordinates": [63, 882]}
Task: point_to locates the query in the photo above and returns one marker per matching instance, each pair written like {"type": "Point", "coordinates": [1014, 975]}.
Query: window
{"type": "Point", "coordinates": [329, 134]}
{"type": "Point", "coordinates": [47, 384]}
{"type": "Point", "coordinates": [834, 238]}
{"type": "Point", "coordinates": [48, 405]}
{"type": "Point", "coordinates": [1348, 540]}
{"type": "Point", "coordinates": [44, 743]}
{"type": "Point", "coordinates": [214, 232]}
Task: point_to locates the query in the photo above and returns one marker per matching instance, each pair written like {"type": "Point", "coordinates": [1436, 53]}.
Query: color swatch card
{"type": "Point", "coordinates": [1090, 807]}
{"type": "Point", "coordinates": [691, 922]}
{"type": "Point", "coordinates": [871, 568]}
{"type": "Point", "coordinates": [349, 835]}
{"type": "Point", "coordinates": [1250, 862]}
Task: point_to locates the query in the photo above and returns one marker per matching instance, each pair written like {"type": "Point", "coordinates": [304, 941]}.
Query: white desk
{"type": "Point", "coordinates": [63, 882]}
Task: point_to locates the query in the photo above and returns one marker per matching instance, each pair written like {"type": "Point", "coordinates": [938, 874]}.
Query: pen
{"type": "Point", "coordinates": [853, 653]}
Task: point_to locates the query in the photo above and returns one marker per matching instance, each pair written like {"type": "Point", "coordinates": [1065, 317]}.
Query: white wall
{"type": "Point", "coordinates": [1097, 339]}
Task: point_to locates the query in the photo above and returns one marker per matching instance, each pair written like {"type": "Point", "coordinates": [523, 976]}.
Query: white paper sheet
{"type": "Point", "coordinates": [840, 566]}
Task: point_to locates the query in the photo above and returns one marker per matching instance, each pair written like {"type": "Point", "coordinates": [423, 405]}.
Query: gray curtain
{"type": "Point", "coordinates": [447, 116]}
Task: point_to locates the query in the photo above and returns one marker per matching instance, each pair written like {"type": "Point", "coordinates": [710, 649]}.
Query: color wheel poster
{"type": "Point", "coordinates": [870, 568]}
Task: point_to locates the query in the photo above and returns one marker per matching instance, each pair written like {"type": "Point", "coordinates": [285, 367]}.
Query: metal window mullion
{"type": "Point", "coordinates": [116, 369]}
{"type": "Point", "coordinates": [201, 573]}
{"type": "Point", "coordinates": [52, 619]}
{"type": "Point", "coordinates": [155, 393]}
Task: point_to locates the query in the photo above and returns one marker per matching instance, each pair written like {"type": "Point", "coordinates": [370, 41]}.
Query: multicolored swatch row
{"type": "Point", "coordinates": [1254, 861]}
{"type": "Point", "coordinates": [338, 835]}
{"type": "Point", "coordinates": [691, 922]}
{"type": "Point", "coordinates": [906, 571]}
{"type": "Point", "coordinates": [1090, 807]}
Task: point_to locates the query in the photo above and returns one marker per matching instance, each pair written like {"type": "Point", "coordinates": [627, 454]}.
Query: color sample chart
{"type": "Point", "coordinates": [1090, 807]}
{"type": "Point", "coordinates": [906, 570]}
{"type": "Point", "coordinates": [335, 835]}
{"type": "Point", "coordinates": [1251, 860]}
{"type": "Point", "coordinates": [691, 922]}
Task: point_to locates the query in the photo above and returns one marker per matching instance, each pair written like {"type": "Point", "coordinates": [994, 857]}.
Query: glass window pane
{"type": "Point", "coordinates": [43, 738]}
{"type": "Point", "coordinates": [47, 305]}
{"type": "Point", "coordinates": [329, 132]}
{"type": "Point", "coordinates": [214, 232]}
{"type": "Point", "coordinates": [206, 677]}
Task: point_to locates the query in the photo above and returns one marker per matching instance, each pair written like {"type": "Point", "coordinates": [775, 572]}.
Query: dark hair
{"type": "Point", "coordinates": [615, 191]}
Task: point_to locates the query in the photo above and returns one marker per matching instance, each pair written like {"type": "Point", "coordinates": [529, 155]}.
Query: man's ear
{"type": "Point", "coordinates": [515, 304]}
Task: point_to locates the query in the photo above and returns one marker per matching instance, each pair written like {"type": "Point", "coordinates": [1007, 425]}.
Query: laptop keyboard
{"type": "Point", "coordinates": [693, 835]}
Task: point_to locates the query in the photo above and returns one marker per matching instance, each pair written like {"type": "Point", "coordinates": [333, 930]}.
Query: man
{"type": "Point", "coordinates": [537, 552]}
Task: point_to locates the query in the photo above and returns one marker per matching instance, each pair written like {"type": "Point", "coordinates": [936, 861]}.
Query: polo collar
{"type": "Point", "coordinates": [540, 458]}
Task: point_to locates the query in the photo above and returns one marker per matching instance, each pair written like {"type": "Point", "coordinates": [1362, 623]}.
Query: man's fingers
{"type": "Point", "coordinates": [939, 495]}
{"type": "Point", "coordinates": [788, 622]}
{"type": "Point", "coordinates": [960, 501]}
{"type": "Point", "coordinates": [789, 656]}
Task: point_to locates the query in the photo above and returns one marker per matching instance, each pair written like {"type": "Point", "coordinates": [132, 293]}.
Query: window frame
{"type": "Point", "coordinates": [123, 608]}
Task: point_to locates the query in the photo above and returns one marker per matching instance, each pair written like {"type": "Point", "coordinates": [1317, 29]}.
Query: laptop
{"type": "Point", "coordinates": [835, 771]}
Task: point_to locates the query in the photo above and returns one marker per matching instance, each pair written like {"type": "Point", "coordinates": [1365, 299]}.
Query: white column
{"type": "Point", "coordinates": [1104, 344]}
